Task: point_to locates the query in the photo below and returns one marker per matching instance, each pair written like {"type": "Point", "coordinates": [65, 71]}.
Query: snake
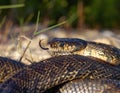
{"type": "Point", "coordinates": [44, 75]}
{"type": "Point", "coordinates": [68, 46]}
{"type": "Point", "coordinates": [62, 69]}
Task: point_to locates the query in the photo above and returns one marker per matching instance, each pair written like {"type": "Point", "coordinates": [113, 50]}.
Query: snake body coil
{"type": "Point", "coordinates": [54, 71]}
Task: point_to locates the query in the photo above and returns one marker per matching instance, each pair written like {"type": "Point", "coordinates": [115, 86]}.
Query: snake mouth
{"type": "Point", "coordinates": [40, 44]}
{"type": "Point", "coordinates": [64, 46]}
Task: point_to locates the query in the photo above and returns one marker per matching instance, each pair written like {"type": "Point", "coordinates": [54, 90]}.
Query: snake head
{"type": "Point", "coordinates": [64, 46]}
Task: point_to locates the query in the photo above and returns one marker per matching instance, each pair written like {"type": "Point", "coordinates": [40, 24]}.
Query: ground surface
{"type": "Point", "coordinates": [15, 47]}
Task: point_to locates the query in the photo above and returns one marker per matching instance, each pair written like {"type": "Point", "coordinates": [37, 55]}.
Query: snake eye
{"type": "Point", "coordinates": [52, 45]}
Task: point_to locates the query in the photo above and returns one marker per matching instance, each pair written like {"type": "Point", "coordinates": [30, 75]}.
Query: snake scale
{"type": "Point", "coordinates": [91, 86]}
{"type": "Point", "coordinates": [44, 75]}
{"type": "Point", "coordinates": [9, 67]}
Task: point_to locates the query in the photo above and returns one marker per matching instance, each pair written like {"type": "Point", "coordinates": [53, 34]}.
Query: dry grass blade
{"type": "Point", "coordinates": [12, 6]}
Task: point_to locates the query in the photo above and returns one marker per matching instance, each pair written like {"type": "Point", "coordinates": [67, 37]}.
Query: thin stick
{"type": "Point", "coordinates": [24, 51]}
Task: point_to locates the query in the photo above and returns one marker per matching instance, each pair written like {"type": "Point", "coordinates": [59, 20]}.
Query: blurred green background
{"type": "Point", "coordinates": [79, 13]}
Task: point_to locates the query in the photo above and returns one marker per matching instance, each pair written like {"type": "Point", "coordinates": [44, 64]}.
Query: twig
{"type": "Point", "coordinates": [24, 51]}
